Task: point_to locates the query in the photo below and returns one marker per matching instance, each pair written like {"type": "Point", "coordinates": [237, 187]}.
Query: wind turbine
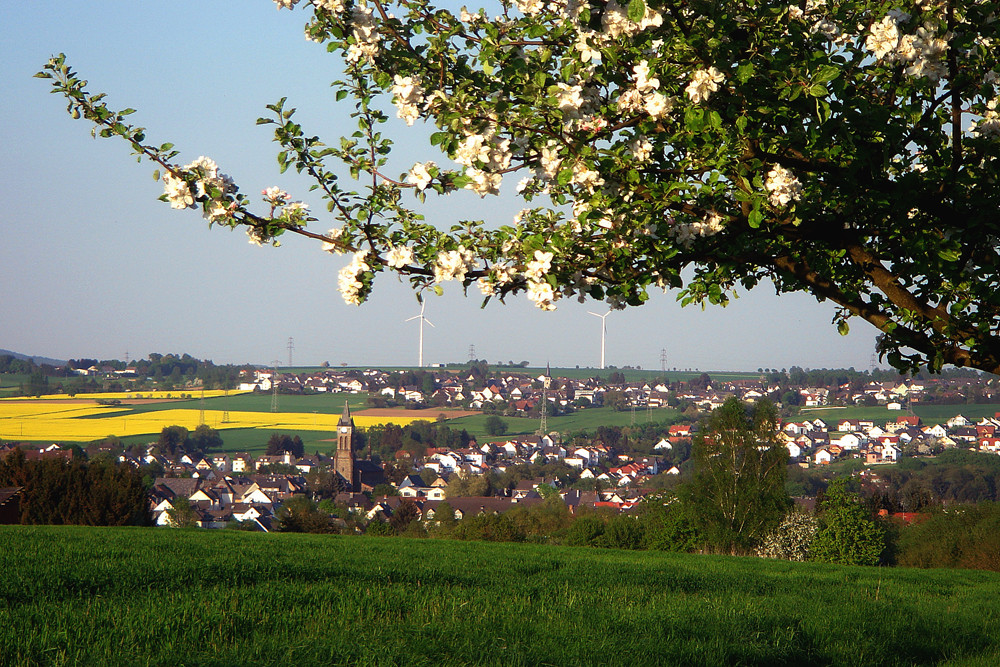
{"type": "Point", "coordinates": [604, 332]}
{"type": "Point", "coordinates": [423, 304]}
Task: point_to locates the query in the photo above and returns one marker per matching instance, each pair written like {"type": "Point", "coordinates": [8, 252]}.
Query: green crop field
{"type": "Point", "coordinates": [96, 596]}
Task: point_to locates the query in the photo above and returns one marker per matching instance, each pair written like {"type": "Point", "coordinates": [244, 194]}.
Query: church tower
{"type": "Point", "coordinates": [344, 458]}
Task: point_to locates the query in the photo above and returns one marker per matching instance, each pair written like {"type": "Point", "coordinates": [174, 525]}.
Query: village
{"type": "Point", "coordinates": [226, 488]}
{"type": "Point", "coordinates": [597, 470]}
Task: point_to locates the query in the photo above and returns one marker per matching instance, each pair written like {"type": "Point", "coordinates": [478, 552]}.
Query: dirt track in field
{"type": "Point", "coordinates": [429, 414]}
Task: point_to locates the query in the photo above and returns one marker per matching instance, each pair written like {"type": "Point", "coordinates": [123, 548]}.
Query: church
{"type": "Point", "coordinates": [355, 476]}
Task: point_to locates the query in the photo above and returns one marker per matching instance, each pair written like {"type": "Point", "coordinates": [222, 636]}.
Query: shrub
{"type": "Point", "coordinates": [489, 528]}
{"type": "Point", "coordinates": [623, 532]}
{"type": "Point", "coordinates": [847, 534]}
{"type": "Point", "coordinates": [586, 531]}
{"type": "Point", "coordinates": [669, 525]}
{"type": "Point", "coordinates": [962, 536]}
{"type": "Point", "coordinates": [792, 539]}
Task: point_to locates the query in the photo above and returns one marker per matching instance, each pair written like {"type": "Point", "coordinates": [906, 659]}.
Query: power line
{"type": "Point", "coordinates": [274, 386]}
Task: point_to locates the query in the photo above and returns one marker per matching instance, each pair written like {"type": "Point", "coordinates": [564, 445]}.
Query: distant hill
{"type": "Point", "coordinates": [37, 360]}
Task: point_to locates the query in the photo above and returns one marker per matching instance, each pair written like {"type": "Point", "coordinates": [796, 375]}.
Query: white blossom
{"type": "Point", "coordinates": [347, 279]}
{"type": "Point", "coordinates": [924, 50]}
{"type": "Point", "coordinates": [420, 175]}
{"type": "Point", "coordinates": [643, 82]}
{"type": "Point", "coordinates": [658, 105]}
{"type": "Point", "coordinates": [641, 149]}
{"type": "Point", "coordinates": [295, 212]}
{"type": "Point", "coordinates": [530, 7]}
{"type": "Point", "coordinates": [216, 211]}
{"type": "Point", "coordinates": [538, 267]}
{"type": "Point", "coordinates": [333, 6]}
{"type": "Point", "coordinates": [550, 160]}
{"type": "Point", "coordinates": [783, 186]}
{"type": "Point", "coordinates": [399, 256]}
{"type": "Point", "coordinates": [883, 38]}
{"type": "Point", "coordinates": [703, 83]}
{"type": "Point", "coordinates": [332, 245]}
{"type": "Point", "coordinates": [686, 233]}
{"type": "Point", "coordinates": [364, 29]}
{"type": "Point", "coordinates": [989, 125]}
{"type": "Point", "coordinates": [483, 182]}
{"type": "Point", "coordinates": [615, 21]}
{"type": "Point", "coordinates": [542, 294]}
{"type": "Point", "coordinates": [630, 100]}
{"type": "Point", "coordinates": [586, 177]}
{"type": "Point", "coordinates": [407, 94]}
{"type": "Point", "coordinates": [286, 4]}
{"type": "Point", "coordinates": [587, 52]}
{"type": "Point", "coordinates": [177, 191]}
{"type": "Point", "coordinates": [255, 236]}
{"type": "Point", "coordinates": [275, 196]}
{"type": "Point", "coordinates": [452, 264]}
{"type": "Point", "coordinates": [569, 98]}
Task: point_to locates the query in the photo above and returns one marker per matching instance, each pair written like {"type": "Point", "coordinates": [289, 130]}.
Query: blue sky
{"type": "Point", "coordinates": [95, 266]}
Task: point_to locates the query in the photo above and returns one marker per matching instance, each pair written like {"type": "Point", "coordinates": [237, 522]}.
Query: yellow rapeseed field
{"type": "Point", "coordinates": [20, 420]}
{"type": "Point", "coordinates": [132, 395]}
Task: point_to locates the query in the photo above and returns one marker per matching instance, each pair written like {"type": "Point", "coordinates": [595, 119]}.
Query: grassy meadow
{"type": "Point", "coordinates": [588, 419]}
{"type": "Point", "coordinates": [928, 413]}
{"type": "Point", "coordinates": [72, 595]}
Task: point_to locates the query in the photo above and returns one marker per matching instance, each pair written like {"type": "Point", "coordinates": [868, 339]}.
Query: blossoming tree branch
{"type": "Point", "coordinates": [848, 149]}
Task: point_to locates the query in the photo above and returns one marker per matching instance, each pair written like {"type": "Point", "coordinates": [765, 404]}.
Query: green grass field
{"type": "Point", "coordinates": [254, 440]}
{"type": "Point", "coordinates": [584, 420]}
{"type": "Point", "coordinates": [929, 414]}
{"type": "Point", "coordinates": [10, 383]}
{"type": "Point", "coordinates": [95, 596]}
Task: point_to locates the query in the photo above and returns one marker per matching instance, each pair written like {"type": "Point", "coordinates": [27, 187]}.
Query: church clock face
{"type": "Point", "coordinates": [343, 429]}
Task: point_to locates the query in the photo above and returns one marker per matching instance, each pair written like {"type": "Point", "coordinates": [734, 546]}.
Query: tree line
{"type": "Point", "coordinates": [57, 491]}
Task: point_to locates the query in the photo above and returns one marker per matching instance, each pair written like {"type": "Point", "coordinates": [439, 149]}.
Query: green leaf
{"type": "Point", "coordinates": [826, 73]}
{"type": "Point", "coordinates": [744, 72]}
{"type": "Point", "coordinates": [636, 10]}
{"type": "Point", "coordinates": [755, 219]}
{"type": "Point", "coordinates": [949, 254]}
{"type": "Point", "coordinates": [818, 90]}
{"type": "Point", "coordinates": [843, 328]}
{"type": "Point", "coordinates": [694, 119]}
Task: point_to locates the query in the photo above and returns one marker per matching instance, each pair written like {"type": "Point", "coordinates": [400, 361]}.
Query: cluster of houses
{"type": "Point", "coordinates": [222, 488]}
{"type": "Point", "coordinates": [253, 500]}
{"type": "Point", "coordinates": [237, 487]}
{"type": "Point", "coordinates": [519, 392]}
{"type": "Point", "coordinates": [811, 441]}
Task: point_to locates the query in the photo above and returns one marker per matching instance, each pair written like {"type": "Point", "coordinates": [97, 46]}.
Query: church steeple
{"type": "Point", "coordinates": [345, 417]}
{"type": "Point", "coordinates": [344, 457]}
